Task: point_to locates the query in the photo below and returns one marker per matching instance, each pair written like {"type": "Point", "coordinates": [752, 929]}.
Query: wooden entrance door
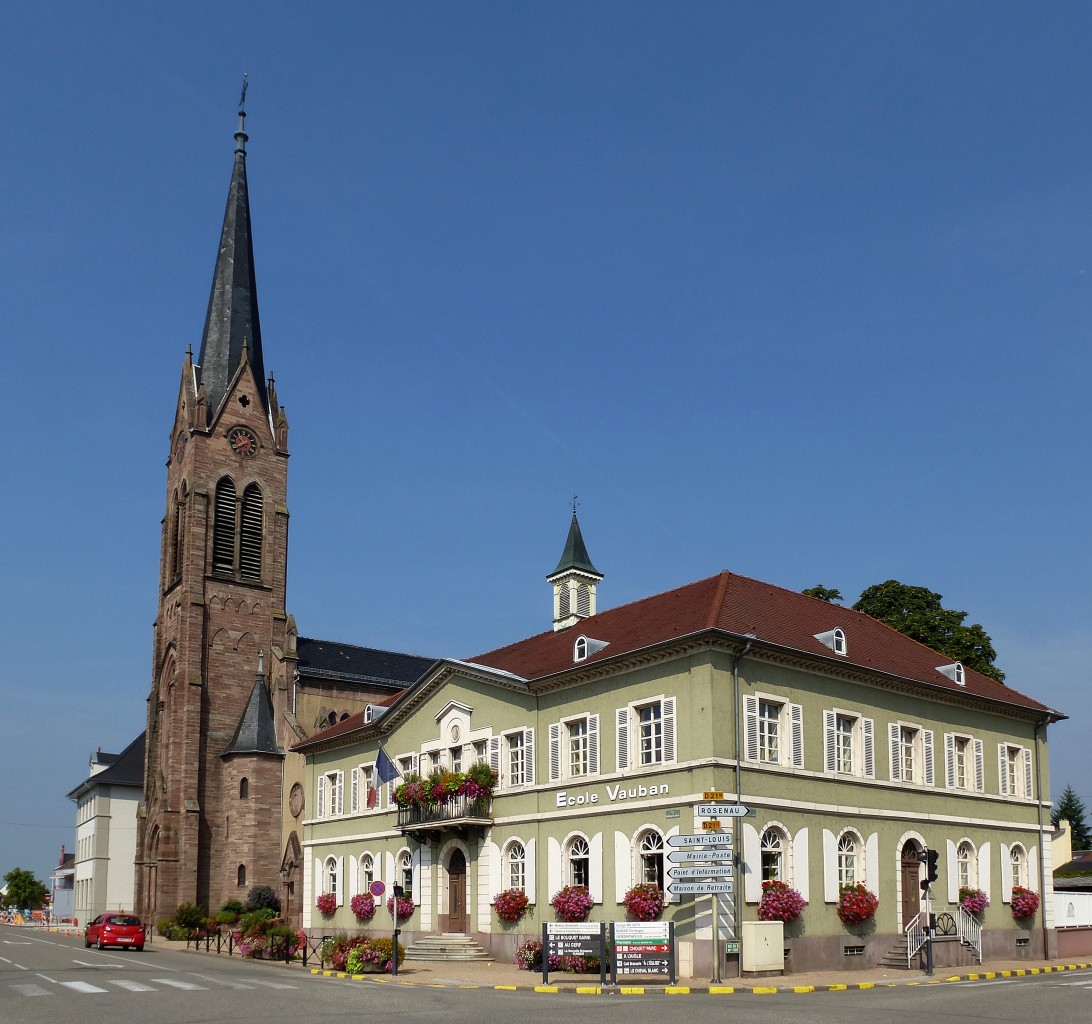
{"type": "Point", "coordinates": [911, 882]}
{"type": "Point", "coordinates": [456, 892]}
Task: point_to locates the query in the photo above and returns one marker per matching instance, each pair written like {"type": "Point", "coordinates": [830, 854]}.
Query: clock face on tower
{"type": "Point", "coordinates": [243, 442]}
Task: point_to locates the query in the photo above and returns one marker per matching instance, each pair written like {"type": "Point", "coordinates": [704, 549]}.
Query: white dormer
{"type": "Point", "coordinates": [835, 639]}
{"type": "Point", "coordinates": [585, 646]}
{"type": "Point", "coordinates": [372, 712]}
{"type": "Point", "coordinates": [954, 672]}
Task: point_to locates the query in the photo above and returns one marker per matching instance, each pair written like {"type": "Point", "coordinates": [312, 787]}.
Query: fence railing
{"type": "Point", "coordinates": [917, 933]}
{"type": "Point", "coordinates": [970, 932]}
{"type": "Point", "coordinates": [281, 947]}
{"type": "Point", "coordinates": [457, 808]}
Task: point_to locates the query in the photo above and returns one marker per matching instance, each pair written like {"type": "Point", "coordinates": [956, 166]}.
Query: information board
{"type": "Point", "coordinates": [560, 938]}
{"type": "Point", "coordinates": [642, 947]}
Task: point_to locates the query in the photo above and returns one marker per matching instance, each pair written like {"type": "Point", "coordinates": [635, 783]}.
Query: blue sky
{"type": "Point", "coordinates": [800, 291]}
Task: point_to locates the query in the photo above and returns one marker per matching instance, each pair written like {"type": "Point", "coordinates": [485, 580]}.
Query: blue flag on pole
{"type": "Point", "coordinates": [384, 767]}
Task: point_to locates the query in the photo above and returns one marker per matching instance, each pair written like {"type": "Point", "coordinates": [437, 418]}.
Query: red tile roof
{"type": "Point", "coordinates": [739, 605]}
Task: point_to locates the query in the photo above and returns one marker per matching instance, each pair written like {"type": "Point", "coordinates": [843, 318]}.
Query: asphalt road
{"type": "Point", "coordinates": [47, 978]}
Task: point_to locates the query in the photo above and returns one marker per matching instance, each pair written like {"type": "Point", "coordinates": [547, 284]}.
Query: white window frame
{"type": "Point", "coordinates": [966, 865]}
{"type": "Point", "coordinates": [1018, 871]}
{"type": "Point", "coordinates": [515, 865]}
{"type": "Point", "coordinates": [561, 748]}
{"type": "Point", "coordinates": [650, 858]}
{"type": "Point", "coordinates": [522, 775]}
{"type": "Point", "coordinates": [1014, 771]}
{"type": "Point", "coordinates": [790, 730]}
{"type": "Point", "coordinates": [781, 851]}
{"type": "Point", "coordinates": [365, 872]}
{"type": "Point", "coordinates": [862, 744]}
{"type": "Point", "coordinates": [963, 750]}
{"type": "Point", "coordinates": [331, 794]}
{"type": "Point", "coordinates": [920, 744]}
{"type": "Point", "coordinates": [405, 872]}
{"type": "Point", "coordinates": [849, 842]}
{"type": "Point", "coordinates": [629, 730]}
{"type": "Point", "coordinates": [583, 854]}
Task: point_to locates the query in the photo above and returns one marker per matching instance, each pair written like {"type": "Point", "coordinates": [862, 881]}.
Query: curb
{"type": "Point", "coordinates": [713, 990]}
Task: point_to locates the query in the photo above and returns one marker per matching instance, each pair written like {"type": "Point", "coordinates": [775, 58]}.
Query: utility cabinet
{"type": "Point", "coordinates": [763, 946]}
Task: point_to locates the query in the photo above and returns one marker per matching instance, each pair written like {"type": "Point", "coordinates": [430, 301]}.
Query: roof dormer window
{"type": "Point", "coordinates": [835, 639]}
{"type": "Point", "coordinates": [580, 648]}
{"type": "Point", "coordinates": [954, 672]}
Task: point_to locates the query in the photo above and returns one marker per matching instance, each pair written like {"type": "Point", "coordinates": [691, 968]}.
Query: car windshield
{"type": "Point", "coordinates": [123, 920]}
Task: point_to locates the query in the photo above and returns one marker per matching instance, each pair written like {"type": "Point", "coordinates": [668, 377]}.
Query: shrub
{"type": "Point", "coordinates": [236, 907]}
{"type": "Point", "coordinates": [644, 902]}
{"type": "Point", "coordinates": [511, 905]}
{"type": "Point", "coordinates": [191, 916]}
{"type": "Point", "coordinates": [369, 952]}
{"type": "Point", "coordinates": [262, 897]}
{"type": "Point", "coordinates": [163, 926]}
{"type": "Point", "coordinates": [529, 956]}
{"type": "Point", "coordinates": [856, 904]}
{"type": "Point", "coordinates": [1024, 902]}
{"type": "Point", "coordinates": [780, 902]}
{"type": "Point", "coordinates": [973, 901]}
{"type": "Point", "coordinates": [260, 935]}
{"type": "Point", "coordinates": [572, 903]}
{"type": "Point", "coordinates": [363, 906]}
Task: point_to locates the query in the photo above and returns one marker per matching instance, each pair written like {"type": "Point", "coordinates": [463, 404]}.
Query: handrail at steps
{"type": "Point", "coordinates": [970, 932]}
{"type": "Point", "coordinates": [917, 933]}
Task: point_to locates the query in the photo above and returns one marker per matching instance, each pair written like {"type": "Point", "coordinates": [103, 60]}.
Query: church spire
{"type": "Point", "coordinates": [232, 332]}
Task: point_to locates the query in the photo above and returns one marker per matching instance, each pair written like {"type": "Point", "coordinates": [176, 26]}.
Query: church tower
{"type": "Point", "coordinates": [214, 760]}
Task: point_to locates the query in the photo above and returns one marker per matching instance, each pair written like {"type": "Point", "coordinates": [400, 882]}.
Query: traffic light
{"type": "Point", "coordinates": [931, 857]}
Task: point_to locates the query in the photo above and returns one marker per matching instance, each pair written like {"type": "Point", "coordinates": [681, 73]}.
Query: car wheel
{"type": "Point", "coordinates": [99, 944]}
{"type": "Point", "coordinates": [139, 949]}
{"type": "Point", "coordinates": [86, 943]}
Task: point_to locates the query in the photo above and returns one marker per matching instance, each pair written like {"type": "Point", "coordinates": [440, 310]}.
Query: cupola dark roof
{"type": "Point", "coordinates": [256, 733]}
{"type": "Point", "coordinates": [575, 555]}
{"type": "Point", "coordinates": [231, 324]}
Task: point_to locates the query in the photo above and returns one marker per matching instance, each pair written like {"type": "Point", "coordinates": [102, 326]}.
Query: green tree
{"type": "Point", "coordinates": [823, 593]}
{"type": "Point", "coordinates": [24, 890]}
{"type": "Point", "coordinates": [918, 613]}
{"type": "Point", "coordinates": [1070, 808]}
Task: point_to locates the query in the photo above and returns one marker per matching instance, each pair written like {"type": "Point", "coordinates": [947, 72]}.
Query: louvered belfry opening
{"type": "Point", "coordinates": [250, 536]}
{"type": "Point", "coordinates": [223, 537]}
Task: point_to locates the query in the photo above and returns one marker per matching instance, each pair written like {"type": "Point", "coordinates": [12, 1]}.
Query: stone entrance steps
{"type": "Point", "coordinates": [446, 946]}
{"type": "Point", "coordinates": [895, 957]}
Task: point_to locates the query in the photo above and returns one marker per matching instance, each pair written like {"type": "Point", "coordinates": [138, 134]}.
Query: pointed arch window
{"type": "Point", "coordinates": [223, 533]}
{"type": "Point", "coordinates": [250, 535]}
{"type": "Point", "coordinates": [178, 535]}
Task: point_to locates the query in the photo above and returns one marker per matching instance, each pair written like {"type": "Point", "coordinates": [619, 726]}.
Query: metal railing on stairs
{"type": "Point", "coordinates": [917, 934]}
{"type": "Point", "coordinates": [970, 933]}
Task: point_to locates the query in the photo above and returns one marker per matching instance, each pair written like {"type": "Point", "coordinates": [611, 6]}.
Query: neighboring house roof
{"type": "Point", "coordinates": [127, 770]}
{"type": "Point", "coordinates": [773, 617]}
{"type": "Point", "coordinates": [346, 663]}
{"type": "Point", "coordinates": [256, 733]}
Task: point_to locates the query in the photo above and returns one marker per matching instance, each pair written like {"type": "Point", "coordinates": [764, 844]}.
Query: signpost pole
{"type": "Point", "coordinates": [545, 953]}
{"type": "Point", "coordinates": [671, 943]}
{"type": "Point", "coordinates": [613, 959]}
{"type": "Point", "coordinates": [603, 951]}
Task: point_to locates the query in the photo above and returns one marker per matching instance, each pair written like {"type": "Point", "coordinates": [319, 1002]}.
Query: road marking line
{"type": "Point", "coordinates": [188, 986]}
{"type": "Point", "coordinates": [131, 986]}
{"type": "Point", "coordinates": [32, 990]}
{"type": "Point", "coordinates": [82, 986]}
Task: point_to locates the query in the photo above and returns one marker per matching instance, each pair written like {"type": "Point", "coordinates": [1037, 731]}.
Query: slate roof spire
{"type": "Point", "coordinates": [256, 732]}
{"type": "Point", "coordinates": [574, 580]}
{"type": "Point", "coordinates": [232, 331]}
{"type": "Point", "coordinates": [575, 555]}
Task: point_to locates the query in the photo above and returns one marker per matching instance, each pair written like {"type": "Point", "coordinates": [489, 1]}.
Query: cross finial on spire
{"type": "Point", "coordinates": [241, 135]}
{"type": "Point", "coordinates": [261, 654]}
{"type": "Point", "coordinates": [242, 96]}
{"type": "Point", "coordinates": [574, 504]}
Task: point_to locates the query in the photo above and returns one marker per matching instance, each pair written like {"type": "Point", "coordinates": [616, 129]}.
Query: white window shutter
{"type": "Point", "coordinates": [830, 867]}
{"type": "Point", "coordinates": [593, 744]}
{"type": "Point", "coordinates": [868, 742]}
{"type": "Point", "coordinates": [750, 717]}
{"type": "Point", "coordinates": [529, 756]}
{"type": "Point", "coordinates": [623, 866]}
{"type": "Point", "coordinates": [952, 869]}
{"type": "Point", "coordinates": [1002, 774]}
{"type": "Point", "coordinates": [320, 882]}
{"type": "Point", "coordinates": [893, 743]}
{"type": "Point", "coordinates": [752, 864]}
{"type": "Point", "coordinates": [555, 752]}
{"type": "Point", "coordinates": [595, 851]}
{"type": "Point", "coordinates": [340, 869]}
{"type": "Point", "coordinates": [829, 759]}
{"type": "Point", "coordinates": [979, 767]}
{"type": "Point", "coordinates": [531, 863]}
{"type": "Point", "coordinates": [949, 760]}
{"type": "Point", "coordinates": [872, 861]}
{"type": "Point", "coordinates": [553, 866]}
{"type": "Point", "coordinates": [985, 876]}
{"type": "Point", "coordinates": [494, 754]}
{"type": "Point", "coordinates": [415, 865]}
{"type": "Point", "coordinates": [622, 724]}
{"type": "Point", "coordinates": [320, 801]}
{"type": "Point", "coordinates": [796, 716]}
{"type": "Point", "coordinates": [354, 879]}
{"type": "Point", "coordinates": [496, 867]}
{"type": "Point", "coordinates": [1028, 791]}
{"type": "Point", "coordinates": [801, 867]}
{"type": "Point", "coordinates": [669, 729]}
{"type": "Point", "coordinates": [927, 756]}
{"type": "Point", "coordinates": [1006, 873]}
{"type": "Point", "coordinates": [354, 790]}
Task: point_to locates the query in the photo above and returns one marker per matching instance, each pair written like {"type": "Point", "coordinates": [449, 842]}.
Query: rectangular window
{"type": "Point", "coordinates": [578, 747]}
{"type": "Point", "coordinates": [520, 757]}
{"type": "Point", "coordinates": [515, 759]}
{"type": "Point", "coordinates": [330, 795]}
{"type": "Point", "coordinates": [1015, 766]}
{"type": "Point", "coordinates": [843, 743]}
{"type": "Point", "coordinates": [456, 757]}
{"type": "Point", "coordinates": [651, 733]}
{"type": "Point", "coordinates": [911, 750]}
{"type": "Point", "coordinates": [645, 734]}
{"type": "Point", "coordinates": [775, 731]}
{"type": "Point", "coordinates": [848, 744]}
{"type": "Point", "coordinates": [574, 748]}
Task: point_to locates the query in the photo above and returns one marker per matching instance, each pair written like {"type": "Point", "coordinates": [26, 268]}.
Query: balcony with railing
{"type": "Point", "coordinates": [456, 814]}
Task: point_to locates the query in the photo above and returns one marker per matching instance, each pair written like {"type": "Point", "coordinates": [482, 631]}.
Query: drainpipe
{"type": "Point", "coordinates": [1042, 852]}
{"type": "Point", "coordinates": [737, 825]}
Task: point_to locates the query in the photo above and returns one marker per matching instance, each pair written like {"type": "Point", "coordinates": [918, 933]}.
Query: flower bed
{"type": "Point", "coordinates": [973, 901]}
{"type": "Point", "coordinates": [780, 902]}
{"type": "Point", "coordinates": [1024, 902]}
{"type": "Point", "coordinates": [361, 954]}
{"type": "Point", "coordinates": [644, 902]}
{"type": "Point", "coordinates": [856, 904]}
{"type": "Point", "coordinates": [529, 958]}
{"type": "Point", "coordinates": [511, 905]}
{"type": "Point", "coordinates": [572, 903]}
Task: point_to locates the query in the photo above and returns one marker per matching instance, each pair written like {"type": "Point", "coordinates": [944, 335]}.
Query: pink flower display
{"type": "Point", "coordinates": [327, 903]}
{"type": "Point", "coordinates": [511, 905]}
{"type": "Point", "coordinates": [973, 901]}
{"type": "Point", "coordinates": [1024, 902]}
{"type": "Point", "coordinates": [856, 904]}
{"type": "Point", "coordinates": [572, 903]}
{"type": "Point", "coordinates": [406, 906]}
{"type": "Point", "coordinates": [363, 906]}
{"type": "Point", "coordinates": [780, 902]}
{"type": "Point", "coordinates": [644, 902]}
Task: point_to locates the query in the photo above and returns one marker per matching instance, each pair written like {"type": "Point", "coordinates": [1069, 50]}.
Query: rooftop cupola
{"type": "Point", "coordinates": [574, 580]}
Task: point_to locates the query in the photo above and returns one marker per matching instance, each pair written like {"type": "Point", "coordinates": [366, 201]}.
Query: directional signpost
{"type": "Point", "coordinates": [642, 948]}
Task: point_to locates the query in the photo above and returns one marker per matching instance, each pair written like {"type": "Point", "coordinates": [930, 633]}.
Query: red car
{"type": "Point", "coordinates": [124, 930]}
